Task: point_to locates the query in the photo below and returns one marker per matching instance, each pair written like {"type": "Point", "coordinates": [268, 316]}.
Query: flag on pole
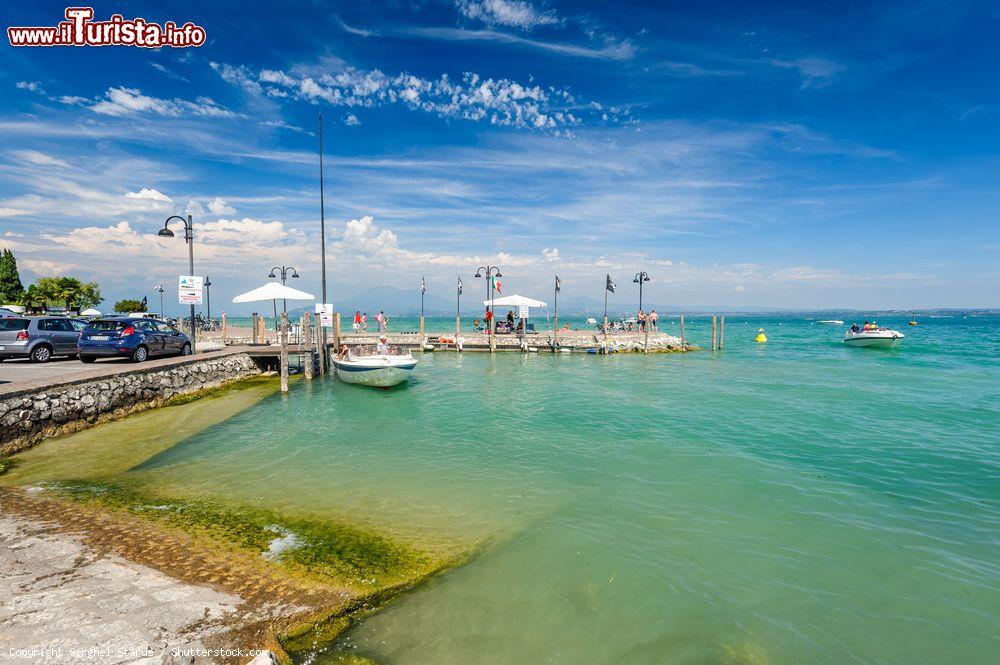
{"type": "Point", "coordinates": [610, 286]}
{"type": "Point", "coordinates": [144, 303]}
{"type": "Point", "coordinates": [459, 286]}
{"type": "Point", "coordinates": [497, 285]}
{"type": "Point", "coordinates": [558, 284]}
{"type": "Point", "coordinates": [423, 285]}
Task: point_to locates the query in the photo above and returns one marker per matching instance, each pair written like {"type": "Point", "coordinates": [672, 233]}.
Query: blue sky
{"type": "Point", "coordinates": [784, 154]}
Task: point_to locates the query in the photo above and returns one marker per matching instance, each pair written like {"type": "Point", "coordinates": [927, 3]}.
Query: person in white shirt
{"type": "Point", "coordinates": [382, 348]}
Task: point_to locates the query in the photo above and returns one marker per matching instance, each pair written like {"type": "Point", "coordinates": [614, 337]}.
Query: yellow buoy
{"type": "Point", "coordinates": [761, 337]}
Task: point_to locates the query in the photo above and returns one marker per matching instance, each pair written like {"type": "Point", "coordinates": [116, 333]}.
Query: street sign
{"type": "Point", "coordinates": [190, 289]}
{"type": "Point", "coordinates": [325, 314]}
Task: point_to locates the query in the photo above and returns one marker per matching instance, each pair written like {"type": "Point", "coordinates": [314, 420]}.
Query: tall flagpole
{"type": "Point", "coordinates": [322, 240]}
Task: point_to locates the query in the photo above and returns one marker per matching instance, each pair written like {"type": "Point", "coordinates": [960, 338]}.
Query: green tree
{"type": "Point", "coordinates": [32, 298]}
{"type": "Point", "coordinates": [126, 306]}
{"type": "Point", "coordinates": [90, 295]}
{"type": "Point", "coordinates": [11, 287]}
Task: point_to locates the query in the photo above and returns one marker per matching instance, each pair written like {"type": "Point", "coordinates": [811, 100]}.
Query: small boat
{"type": "Point", "coordinates": [591, 321]}
{"type": "Point", "coordinates": [378, 370]}
{"type": "Point", "coordinates": [832, 322]}
{"type": "Point", "coordinates": [881, 338]}
{"type": "Point", "coordinates": [913, 319]}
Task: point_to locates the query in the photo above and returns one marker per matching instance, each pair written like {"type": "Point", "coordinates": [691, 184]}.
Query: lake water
{"type": "Point", "coordinates": [797, 501]}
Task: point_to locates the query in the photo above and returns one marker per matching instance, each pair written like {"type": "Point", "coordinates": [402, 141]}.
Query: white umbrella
{"type": "Point", "coordinates": [90, 312]}
{"type": "Point", "coordinates": [273, 291]}
{"type": "Point", "coordinates": [515, 301]}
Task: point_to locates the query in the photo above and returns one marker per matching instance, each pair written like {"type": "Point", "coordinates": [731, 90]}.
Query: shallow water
{"type": "Point", "coordinates": [797, 501]}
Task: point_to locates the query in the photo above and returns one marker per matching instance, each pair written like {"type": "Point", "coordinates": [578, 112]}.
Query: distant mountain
{"type": "Point", "coordinates": [393, 301]}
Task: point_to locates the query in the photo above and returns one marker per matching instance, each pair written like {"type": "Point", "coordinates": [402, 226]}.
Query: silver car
{"type": "Point", "coordinates": [39, 338]}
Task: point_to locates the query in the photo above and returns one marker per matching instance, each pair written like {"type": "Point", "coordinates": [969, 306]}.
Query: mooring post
{"type": "Point", "coordinates": [421, 333]}
{"type": "Point", "coordinates": [224, 330]}
{"type": "Point", "coordinates": [645, 342]}
{"type": "Point", "coordinates": [307, 354]}
{"type": "Point", "coordinates": [283, 334]}
{"type": "Point", "coordinates": [319, 346]}
{"type": "Point", "coordinates": [253, 328]}
{"type": "Point", "coordinates": [713, 332]}
{"type": "Point", "coordinates": [458, 331]}
{"type": "Point", "coordinates": [683, 343]}
{"type": "Point", "coordinates": [722, 331]}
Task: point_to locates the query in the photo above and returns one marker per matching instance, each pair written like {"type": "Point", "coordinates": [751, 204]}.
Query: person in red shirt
{"type": "Point", "coordinates": [489, 321]}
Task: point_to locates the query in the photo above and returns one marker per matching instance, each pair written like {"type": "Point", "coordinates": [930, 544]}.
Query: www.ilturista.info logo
{"type": "Point", "coordinates": [79, 29]}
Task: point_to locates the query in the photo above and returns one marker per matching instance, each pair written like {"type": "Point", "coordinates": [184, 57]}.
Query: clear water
{"type": "Point", "coordinates": [792, 502]}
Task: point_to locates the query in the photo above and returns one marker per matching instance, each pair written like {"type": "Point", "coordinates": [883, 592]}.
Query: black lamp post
{"type": "Point", "coordinates": [284, 270]}
{"type": "Point", "coordinates": [208, 297]}
{"type": "Point", "coordinates": [491, 273]}
{"type": "Point", "coordinates": [165, 232]}
{"type": "Point", "coordinates": [639, 278]}
{"type": "Point", "coordinates": [159, 288]}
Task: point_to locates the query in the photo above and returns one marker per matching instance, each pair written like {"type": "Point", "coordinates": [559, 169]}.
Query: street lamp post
{"type": "Point", "coordinates": [491, 273]}
{"type": "Point", "coordinates": [284, 270]}
{"type": "Point", "coordinates": [639, 278]}
{"type": "Point", "coordinates": [208, 298]}
{"type": "Point", "coordinates": [165, 232]}
{"type": "Point", "coordinates": [159, 288]}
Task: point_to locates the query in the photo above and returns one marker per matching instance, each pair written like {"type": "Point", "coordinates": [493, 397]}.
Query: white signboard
{"type": "Point", "coordinates": [522, 311]}
{"type": "Point", "coordinates": [190, 289]}
{"type": "Point", "coordinates": [325, 314]}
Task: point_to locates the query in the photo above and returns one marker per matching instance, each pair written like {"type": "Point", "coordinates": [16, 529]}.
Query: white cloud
{"type": "Point", "coordinates": [351, 120]}
{"type": "Point", "coordinates": [33, 86]}
{"type": "Point", "coordinates": [149, 194]}
{"type": "Point", "coordinates": [39, 158]}
{"type": "Point", "coordinates": [168, 72]}
{"type": "Point", "coordinates": [511, 13]}
{"type": "Point", "coordinates": [550, 254]}
{"type": "Point", "coordinates": [218, 206]}
{"type": "Point", "coordinates": [613, 49]}
{"type": "Point", "coordinates": [500, 102]}
{"type": "Point", "coordinates": [123, 101]}
{"type": "Point", "coordinates": [13, 212]}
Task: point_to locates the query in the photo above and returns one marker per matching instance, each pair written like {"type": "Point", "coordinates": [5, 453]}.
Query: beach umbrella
{"type": "Point", "coordinates": [273, 291]}
{"type": "Point", "coordinates": [522, 303]}
{"type": "Point", "coordinates": [90, 312]}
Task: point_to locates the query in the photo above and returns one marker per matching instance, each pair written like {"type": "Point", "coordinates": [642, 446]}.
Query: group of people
{"type": "Point", "coordinates": [361, 321]}
{"type": "Point", "coordinates": [868, 326]}
{"type": "Point", "coordinates": [650, 319]}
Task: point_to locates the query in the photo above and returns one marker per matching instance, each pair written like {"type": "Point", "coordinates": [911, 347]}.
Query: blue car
{"type": "Point", "coordinates": [129, 337]}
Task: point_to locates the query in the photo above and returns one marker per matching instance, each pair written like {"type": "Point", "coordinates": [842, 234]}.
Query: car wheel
{"type": "Point", "coordinates": [186, 350]}
{"type": "Point", "coordinates": [140, 354]}
{"type": "Point", "coordinates": [41, 354]}
{"type": "Point", "coordinates": [87, 359]}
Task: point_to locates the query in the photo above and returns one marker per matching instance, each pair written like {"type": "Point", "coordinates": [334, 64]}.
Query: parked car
{"type": "Point", "coordinates": [39, 338]}
{"type": "Point", "coordinates": [8, 314]}
{"type": "Point", "coordinates": [128, 337]}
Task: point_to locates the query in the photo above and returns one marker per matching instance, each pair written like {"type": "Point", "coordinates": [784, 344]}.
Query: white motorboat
{"type": "Point", "coordinates": [378, 370]}
{"type": "Point", "coordinates": [881, 338]}
{"type": "Point", "coordinates": [832, 322]}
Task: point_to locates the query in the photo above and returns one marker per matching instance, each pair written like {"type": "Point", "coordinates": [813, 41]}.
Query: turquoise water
{"type": "Point", "coordinates": [792, 502]}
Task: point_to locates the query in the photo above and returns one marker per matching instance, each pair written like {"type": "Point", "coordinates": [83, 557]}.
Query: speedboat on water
{"type": "Point", "coordinates": [832, 322]}
{"type": "Point", "coordinates": [380, 370]}
{"type": "Point", "coordinates": [881, 338]}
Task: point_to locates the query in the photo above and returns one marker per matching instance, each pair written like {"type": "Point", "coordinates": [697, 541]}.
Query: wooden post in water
{"type": "Point", "coordinates": [713, 332]}
{"type": "Point", "coordinates": [224, 331]}
{"type": "Point", "coordinates": [722, 331]}
{"type": "Point", "coordinates": [645, 342]}
{"type": "Point", "coordinates": [253, 328]}
{"type": "Point", "coordinates": [421, 333]}
{"type": "Point", "coordinates": [284, 352]}
{"type": "Point", "coordinates": [320, 348]}
{"type": "Point", "coordinates": [307, 354]}
{"type": "Point", "coordinates": [683, 343]}
{"type": "Point", "coordinates": [458, 331]}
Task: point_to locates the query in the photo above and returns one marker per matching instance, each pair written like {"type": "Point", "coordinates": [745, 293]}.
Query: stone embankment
{"type": "Point", "coordinates": [31, 413]}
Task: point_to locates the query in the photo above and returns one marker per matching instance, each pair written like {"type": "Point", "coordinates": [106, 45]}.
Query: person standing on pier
{"type": "Point", "coordinates": [489, 321]}
{"type": "Point", "coordinates": [357, 320]}
{"type": "Point", "coordinates": [654, 320]}
{"type": "Point", "coordinates": [642, 321]}
{"type": "Point", "coordinates": [364, 322]}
